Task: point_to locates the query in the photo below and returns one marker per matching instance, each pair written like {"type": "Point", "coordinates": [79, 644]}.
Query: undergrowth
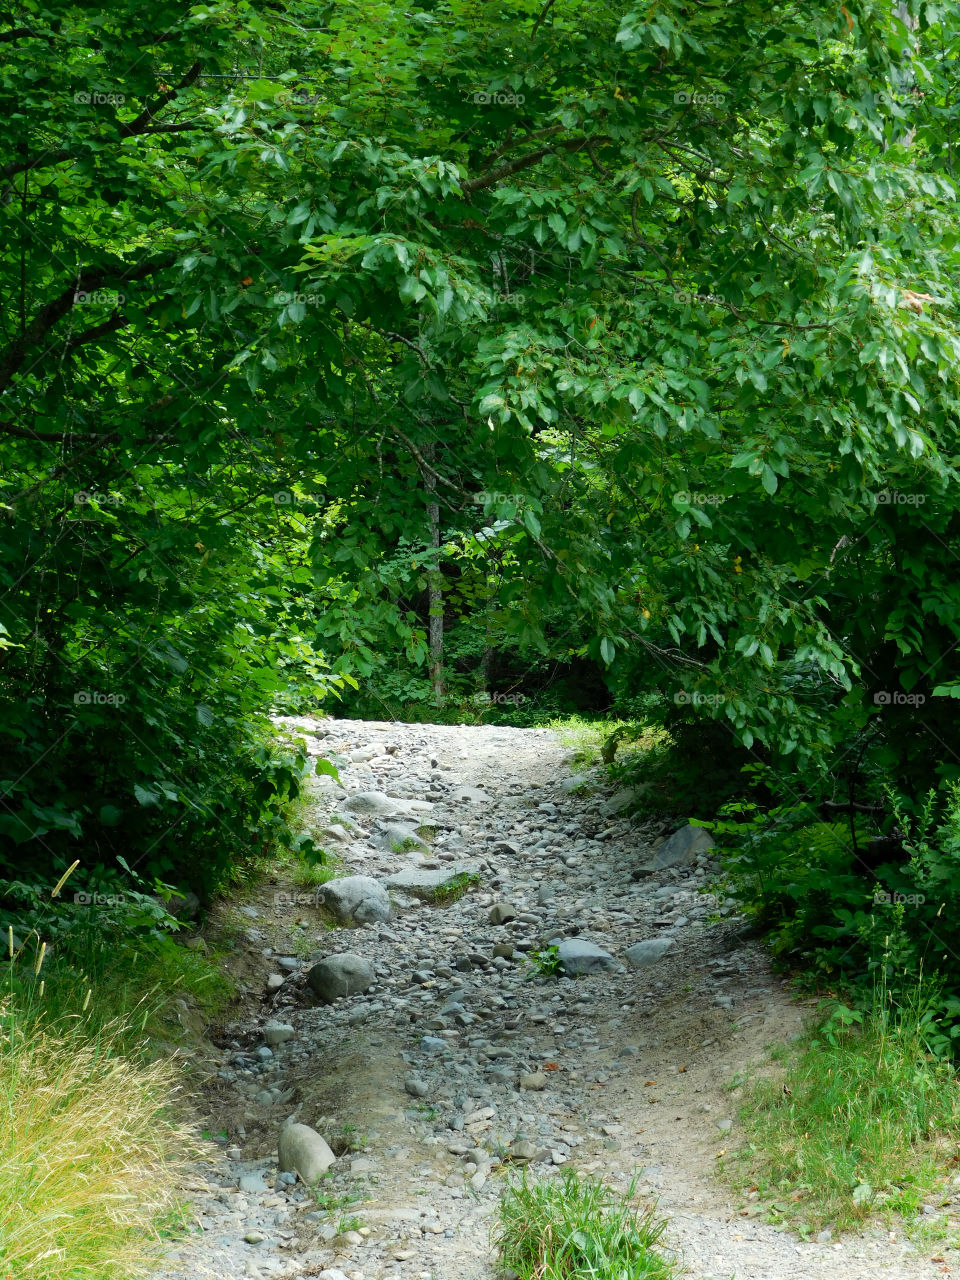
{"type": "Point", "coordinates": [865, 1117]}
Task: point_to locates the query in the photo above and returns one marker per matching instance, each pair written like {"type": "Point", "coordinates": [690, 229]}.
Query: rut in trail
{"type": "Point", "coordinates": [461, 1062]}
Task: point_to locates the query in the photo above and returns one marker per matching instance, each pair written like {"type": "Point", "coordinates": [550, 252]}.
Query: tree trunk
{"type": "Point", "coordinates": [434, 588]}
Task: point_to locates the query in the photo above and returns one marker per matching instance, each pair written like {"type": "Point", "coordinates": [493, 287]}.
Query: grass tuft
{"type": "Point", "coordinates": [455, 888]}
{"type": "Point", "coordinates": [860, 1121]}
{"type": "Point", "coordinates": [86, 1170]}
{"type": "Point", "coordinates": [573, 1226]}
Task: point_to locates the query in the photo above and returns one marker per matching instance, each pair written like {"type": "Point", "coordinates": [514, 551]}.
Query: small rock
{"type": "Point", "coordinates": [501, 913]}
{"type": "Point", "coordinates": [340, 975]}
{"type": "Point", "coordinates": [302, 1150]}
{"type": "Point", "coordinates": [416, 1087]}
{"type": "Point", "coordinates": [577, 956]}
{"type": "Point", "coordinates": [536, 1080]}
{"type": "Point", "coordinates": [647, 952]}
{"type": "Point", "coordinates": [680, 850]}
{"type": "Point", "coordinates": [278, 1033]}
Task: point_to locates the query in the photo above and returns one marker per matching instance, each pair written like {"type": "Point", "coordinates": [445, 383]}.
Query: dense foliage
{"type": "Point", "coordinates": [621, 338]}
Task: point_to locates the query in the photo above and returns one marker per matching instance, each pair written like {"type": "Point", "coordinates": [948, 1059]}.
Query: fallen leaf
{"type": "Point", "coordinates": [647, 1083]}
{"type": "Point", "coordinates": [551, 1066]}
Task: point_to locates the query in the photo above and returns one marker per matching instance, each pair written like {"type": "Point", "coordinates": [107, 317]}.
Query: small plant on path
{"type": "Point", "coordinates": [575, 1226]}
{"type": "Point", "coordinates": [455, 888]}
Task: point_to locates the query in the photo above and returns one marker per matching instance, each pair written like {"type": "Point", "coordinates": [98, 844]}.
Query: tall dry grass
{"type": "Point", "coordinates": [89, 1151]}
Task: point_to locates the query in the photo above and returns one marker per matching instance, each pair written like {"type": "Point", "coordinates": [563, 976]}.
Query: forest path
{"type": "Point", "coordinates": [461, 1061]}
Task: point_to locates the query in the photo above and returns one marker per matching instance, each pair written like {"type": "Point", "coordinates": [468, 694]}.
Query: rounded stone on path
{"type": "Point", "coordinates": [647, 952]}
{"type": "Point", "coordinates": [416, 1087]}
{"type": "Point", "coordinates": [278, 1033]}
{"type": "Point", "coordinates": [579, 957]}
{"type": "Point", "coordinates": [275, 981]}
{"type": "Point", "coordinates": [254, 1237]}
{"type": "Point", "coordinates": [340, 975]}
{"type": "Point", "coordinates": [359, 898]}
{"type": "Point", "coordinates": [384, 806]}
{"type": "Point", "coordinates": [502, 912]}
{"type": "Point", "coordinates": [302, 1150]}
{"type": "Point", "coordinates": [535, 1080]}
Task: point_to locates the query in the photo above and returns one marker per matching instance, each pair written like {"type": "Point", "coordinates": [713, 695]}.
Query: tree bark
{"type": "Point", "coordinates": [434, 586]}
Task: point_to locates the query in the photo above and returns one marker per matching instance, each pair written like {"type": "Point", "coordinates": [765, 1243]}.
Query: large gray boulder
{"type": "Point", "coordinates": [577, 956]}
{"type": "Point", "coordinates": [621, 800]}
{"type": "Point", "coordinates": [647, 952]}
{"type": "Point", "coordinates": [341, 975]}
{"type": "Point", "coordinates": [419, 882]}
{"type": "Point", "coordinates": [679, 850]}
{"type": "Point", "coordinates": [302, 1150]}
{"type": "Point", "coordinates": [358, 898]}
{"type": "Point", "coordinates": [380, 805]}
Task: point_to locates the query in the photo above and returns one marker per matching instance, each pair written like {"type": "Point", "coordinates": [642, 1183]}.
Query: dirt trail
{"type": "Point", "coordinates": [461, 1062]}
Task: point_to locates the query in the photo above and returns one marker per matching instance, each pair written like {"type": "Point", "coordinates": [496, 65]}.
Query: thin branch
{"type": "Point", "coordinates": [543, 13]}
{"type": "Point", "coordinates": [528, 161]}
{"type": "Point", "coordinates": [13, 357]}
{"type": "Point", "coordinates": [145, 118]}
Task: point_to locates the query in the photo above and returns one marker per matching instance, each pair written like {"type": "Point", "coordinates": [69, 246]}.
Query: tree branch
{"type": "Point", "coordinates": [13, 357]}
{"type": "Point", "coordinates": [527, 161]}
{"type": "Point", "coordinates": [139, 125]}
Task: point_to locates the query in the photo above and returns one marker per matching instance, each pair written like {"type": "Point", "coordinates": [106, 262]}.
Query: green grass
{"type": "Point", "coordinates": [455, 888]}
{"type": "Point", "coordinates": [574, 1226]}
{"type": "Point", "coordinates": [138, 989]}
{"type": "Point", "coordinates": [864, 1118]}
{"type": "Point", "coordinates": [310, 874]}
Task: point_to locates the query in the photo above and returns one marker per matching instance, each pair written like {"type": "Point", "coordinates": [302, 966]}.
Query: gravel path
{"type": "Point", "coordinates": [460, 1062]}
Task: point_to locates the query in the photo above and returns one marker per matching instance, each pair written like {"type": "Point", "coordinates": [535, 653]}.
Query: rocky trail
{"type": "Point", "coordinates": [405, 1021]}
